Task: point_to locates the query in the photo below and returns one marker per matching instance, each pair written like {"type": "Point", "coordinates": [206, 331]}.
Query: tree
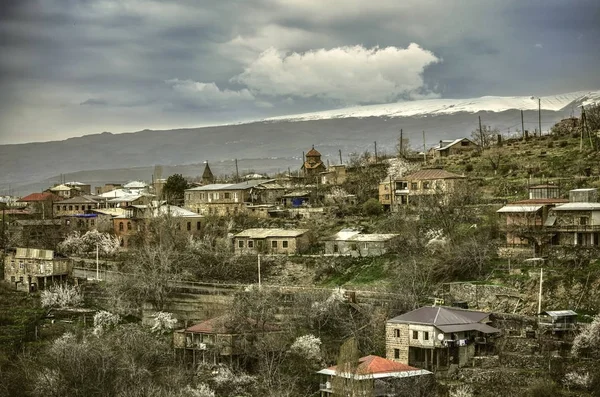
{"type": "Point", "coordinates": [174, 189]}
{"type": "Point", "coordinates": [76, 244]}
{"type": "Point", "coordinates": [485, 137]}
{"type": "Point", "coordinates": [346, 382]}
{"type": "Point", "coordinates": [372, 207]}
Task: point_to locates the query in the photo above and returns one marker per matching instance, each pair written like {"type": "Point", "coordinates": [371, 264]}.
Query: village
{"type": "Point", "coordinates": [471, 266]}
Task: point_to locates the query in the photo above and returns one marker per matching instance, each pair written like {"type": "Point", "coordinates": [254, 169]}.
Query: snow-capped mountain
{"type": "Point", "coordinates": [433, 107]}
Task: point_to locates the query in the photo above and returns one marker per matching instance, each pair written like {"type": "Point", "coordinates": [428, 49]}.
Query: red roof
{"type": "Point", "coordinates": [36, 197]}
{"type": "Point", "coordinates": [218, 325]}
{"type": "Point", "coordinates": [313, 153]}
{"type": "Point", "coordinates": [378, 365]}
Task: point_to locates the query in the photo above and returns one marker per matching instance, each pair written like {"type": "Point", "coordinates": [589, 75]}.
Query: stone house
{"type": "Point", "coordinates": [36, 233]}
{"type": "Point", "coordinates": [108, 187]}
{"type": "Point", "coordinates": [434, 337]}
{"type": "Point", "coordinates": [335, 175]}
{"type": "Point", "coordinates": [40, 203]}
{"type": "Point", "coordinates": [271, 241]}
{"type": "Point", "coordinates": [30, 269]}
{"type": "Point", "coordinates": [354, 243]}
{"type": "Point", "coordinates": [216, 341]}
{"type": "Point", "coordinates": [452, 147]}
{"type": "Point", "coordinates": [76, 205]}
{"type": "Point", "coordinates": [226, 199]}
{"type": "Point", "coordinates": [136, 217]}
{"type": "Point", "coordinates": [373, 370]}
{"type": "Point", "coordinates": [63, 191]}
{"type": "Point", "coordinates": [410, 188]}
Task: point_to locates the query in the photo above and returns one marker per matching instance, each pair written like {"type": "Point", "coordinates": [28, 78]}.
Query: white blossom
{"type": "Point", "coordinates": [61, 296]}
{"type": "Point", "coordinates": [337, 296]}
{"type": "Point", "coordinates": [76, 244]}
{"type": "Point", "coordinates": [462, 391]}
{"type": "Point", "coordinates": [104, 321]}
{"type": "Point", "coordinates": [588, 341]}
{"type": "Point", "coordinates": [308, 347]}
{"type": "Point", "coordinates": [163, 322]}
{"type": "Point", "coordinates": [577, 380]}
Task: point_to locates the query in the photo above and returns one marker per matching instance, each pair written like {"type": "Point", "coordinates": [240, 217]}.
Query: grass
{"type": "Point", "coordinates": [356, 271]}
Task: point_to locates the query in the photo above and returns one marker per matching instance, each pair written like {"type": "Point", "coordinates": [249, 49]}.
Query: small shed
{"type": "Point", "coordinates": [558, 320]}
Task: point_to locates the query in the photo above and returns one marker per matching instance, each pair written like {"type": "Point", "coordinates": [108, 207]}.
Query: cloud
{"type": "Point", "coordinates": [348, 75]}
{"type": "Point", "coordinates": [209, 94]}
{"type": "Point", "coordinates": [538, 45]}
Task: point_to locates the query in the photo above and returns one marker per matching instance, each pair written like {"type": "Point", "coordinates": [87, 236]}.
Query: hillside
{"type": "Point", "coordinates": [31, 166]}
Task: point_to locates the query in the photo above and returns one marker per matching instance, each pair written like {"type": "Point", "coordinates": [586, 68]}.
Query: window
{"type": "Point", "coordinates": [583, 221]}
{"type": "Point", "coordinates": [76, 208]}
{"type": "Point", "coordinates": [415, 335]}
{"type": "Point", "coordinates": [189, 226]}
{"type": "Point", "coordinates": [425, 335]}
{"type": "Point", "coordinates": [89, 207]}
{"type": "Point", "coordinates": [273, 244]}
{"type": "Point", "coordinates": [92, 222]}
{"type": "Point", "coordinates": [464, 143]}
{"type": "Point", "coordinates": [122, 243]}
{"type": "Point", "coordinates": [426, 185]}
{"type": "Point", "coordinates": [70, 208]}
{"type": "Point", "coordinates": [250, 243]}
{"type": "Point", "coordinates": [198, 225]}
{"type": "Point", "coordinates": [284, 244]}
{"type": "Point", "coordinates": [386, 187]}
{"type": "Point", "coordinates": [353, 247]}
{"type": "Point", "coordinates": [227, 196]}
{"type": "Point", "coordinates": [414, 186]}
{"type": "Point", "coordinates": [386, 197]}
{"type": "Point", "coordinates": [120, 226]}
{"type": "Point", "coordinates": [64, 207]}
{"type": "Point", "coordinates": [240, 243]}
{"type": "Point", "coordinates": [396, 354]}
{"type": "Point", "coordinates": [128, 225]}
{"type": "Point", "coordinates": [396, 333]}
{"type": "Point", "coordinates": [335, 247]}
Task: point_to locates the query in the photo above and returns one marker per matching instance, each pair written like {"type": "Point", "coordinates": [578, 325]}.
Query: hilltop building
{"type": "Point", "coordinates": [313, 165]}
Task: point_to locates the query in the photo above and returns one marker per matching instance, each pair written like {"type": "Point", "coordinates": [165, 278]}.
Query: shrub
{"type": "Point", "coordinates": [469, 167]}
{"type": "Point", "coordinates": [372, 207]}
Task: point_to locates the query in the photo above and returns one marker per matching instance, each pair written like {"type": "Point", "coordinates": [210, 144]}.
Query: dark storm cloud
{"type": "Point", "coordinates": [79, 66]}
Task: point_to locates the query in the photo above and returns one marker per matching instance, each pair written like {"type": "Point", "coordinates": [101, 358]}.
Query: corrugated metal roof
{"type": "Point", "coordinates": [520, 208]}
{"type": "Point", "coordinates": [439, 315]}
{"type": "Point", "coordinates": [578, 207]}
{"type": "Point", "coordinates": [486, 329]}
{"type": "Point", "coordinates": [433, 173]}
{"type": "Point", "coordinates": [231, 186]}
{"type": "Point", "coordinates": [559, 313]}
{"type": "Point", "coordinates": [33, 253]}
{"type": "Point", "coordinates": [265, 233]}
{"type": "Point", "coordinates": [81, 199]}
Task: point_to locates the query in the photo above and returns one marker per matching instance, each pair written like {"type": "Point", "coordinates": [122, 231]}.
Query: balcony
{"type": "Point", "coordinates": [574, 228]}
{"type": "Point", "coordinates": [326, 387]}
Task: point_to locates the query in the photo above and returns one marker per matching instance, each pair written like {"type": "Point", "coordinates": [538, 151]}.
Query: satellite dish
{"type": "Point", "coordinates": [440, 337]}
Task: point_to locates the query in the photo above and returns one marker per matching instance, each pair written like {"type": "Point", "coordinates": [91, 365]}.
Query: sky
{"type": "Point", "coordinates": [75, 67]}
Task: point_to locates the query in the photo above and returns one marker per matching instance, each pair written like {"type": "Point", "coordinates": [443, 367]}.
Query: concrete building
{"type": "Point", "coordinates": [452, 147]}
{"type": "Point", "coordinates": [335, 175]}
{"type": "Point", "coordinates": [225, 199]}
{"type": "Point", "coordinates": [434, 337]}
{"type": "Point", "coordinates": [30, 269]}
{"type": "Point", "coordinates": [353, 243]}
{"type": "Point", "coordinates": [271, 241]}
{"type": "Point", "coordinates": [76, 205]}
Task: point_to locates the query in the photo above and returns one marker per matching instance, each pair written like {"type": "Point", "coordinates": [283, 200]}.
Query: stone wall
{"type": "Point", "coordinates": [392, 342]}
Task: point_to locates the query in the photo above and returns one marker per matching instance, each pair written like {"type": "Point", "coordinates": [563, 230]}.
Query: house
{"type": "Point", "coordinates": [371, 372]}
{"type": "Point", "coordinates": [452, 147]}
{"type": "Point", "coordinates": [576, 222]}
{"type": "Point", "coordinates": [335, 175]}
{"type": "Point", "coordinates": [108, 187]}
{"type": "Point", "coordinates": [313, 165]}
{"type": "Point", "coordinates": [83, 188]}
{"type": "Point", "coordinates": [434, 337]}
{"type": "Point", "coordinates": [217, 340]}
{"type": "Point", "coordinates": [64, 191]}
{"type": "Point", "coordinates": [271, 241]}
{"type": "Point", "coordinates": [76, 205]}
{"type": "Point", "coordinates": [410, 188]}
{"type": "Point", "coordinates": [354, 243]}
{"type": "Point", "coordinates": [40, 203]}
{"type": "Point", "coordinates": [298, 198]}
{"type": "Point", "coordinates": [36, 233]}
{"type": "Point", "coordinates": [524, 220]}
{"type": "Point", "coordinates": [223, 199]}
{"type": "Point", "coordinates": [136, 217]}
{"type": "Point", "coordinates": [557, 321]}
{"type": "Point", "coordinates": [30, 269]}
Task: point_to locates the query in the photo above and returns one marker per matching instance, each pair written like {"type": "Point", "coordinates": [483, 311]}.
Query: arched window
{"type": "Point", "coordinates": [128, 225]}
{"type": "Point", "coordinates": [122, 243]}
{"type": "Point", "coordinates": [120, 226]}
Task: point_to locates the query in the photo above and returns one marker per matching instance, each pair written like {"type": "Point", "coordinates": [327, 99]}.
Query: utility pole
{"type": "Point", "coordinates": [481, 133]}
{"type": "Point", "coordinates": [97, 264]}
{"type": "Point", "coordinates": [540, 294]}
{"type": "Point", "coordinates": [424, 153]}
{"type": "Point", "coordinates": [522, 125]}
{"type": "Point", "coordinates": [401, 143]}
{"type": "Point", "coordinates": [259, 271]}
{"type": "Point", "coordinates": [340, 152]}
{"type": "Point", "coordinates": [540, 115]}
{"type": "Point", "coordinates": [392, 192]}
{"type": "Point", "coordinates": [237, 173]}
{"type": "Point", "coordinates": [375, 152]}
